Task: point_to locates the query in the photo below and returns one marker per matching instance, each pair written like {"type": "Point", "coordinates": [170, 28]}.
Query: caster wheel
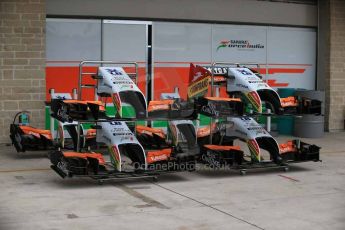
{"type": "Point", "coordinates": [243, 172]}
{"type": "Point", "coordinates": [286, 169]}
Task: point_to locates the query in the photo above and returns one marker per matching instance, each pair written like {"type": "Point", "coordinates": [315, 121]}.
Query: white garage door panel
{"type": "Point", "coordinates": [124, 42]}
{"type": "Point", "coordinates": [293, 48]}
{"type": "Point", "coordinates": [182, 42]}
{"type": "Point", "coordinates": [291, 45]}
{"type": "Point", "coordinates": [73, 40]}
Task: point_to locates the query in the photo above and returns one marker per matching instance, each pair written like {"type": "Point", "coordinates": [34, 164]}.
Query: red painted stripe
{"type": "Point", "coordinates": [289, 178]}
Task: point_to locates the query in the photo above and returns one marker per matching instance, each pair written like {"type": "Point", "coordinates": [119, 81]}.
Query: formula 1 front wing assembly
{"type": "Point", "coordinates": [77, 163]}
{"type": "Point", "coordinates": [114, 82]}
{"type": "Point", "coordinates": [71, 110]}
{"type": "Point", "coordinates": [172, 109]}
{"type": "Point", "coordinates": [232, 157]}
{"type": "Point", "coordinates": [298, 151]}
{"type": "Point", "coordinates": [257, 139]}
{"type": "Point", "coordinates": [25, 138]}
{"type": "Point", "coordinates": [219, 106]}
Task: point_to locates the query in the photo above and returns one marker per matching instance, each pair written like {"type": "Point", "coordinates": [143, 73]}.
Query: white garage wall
{"type": "Point", "coordinates": [182, 42]}
{"type": "Point", "coordinates": [295, 48]}
{"type": "Point", "coordinates": [288, 54]}
{"type": "Point", "coordinates": [124, 42]}
{"type": "Point", "coordinates": [235, 11]}
{"type": "Point", "coordinates": [73, 40]}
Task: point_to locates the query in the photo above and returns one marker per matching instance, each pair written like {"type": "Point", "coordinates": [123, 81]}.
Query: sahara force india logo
{"type": "Point", "coordinates": [239, 44]}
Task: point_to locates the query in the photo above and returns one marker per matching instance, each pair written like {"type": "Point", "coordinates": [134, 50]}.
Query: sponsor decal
{"type": "Point", "coordinates": [223, 44]}
{"type": "Point", "coordinates": [121, 131]}
{"type": "Point", "coordinates": [114, 72]}
{"type": "Point", "coordinates": [115, 156]}
{"type": "Point", "coordinates": [288, 147]}
{"type": "Point", "coordinates": [115, 123]}
{"type": "Point", "coordinates": [198, 88]}
{"type": "Point", "coordinates": [199, 80]}
{"type": "Point", "coordinates": [254, 99]}
{"type": "Point", "coordinates": [196, 76]}
{"type": "Point", "coordinates": [259, 82]}
{"type": "Point", "coordinates": [117, 103]}
{"type": "Point", "coordinates": [260, 132]}
{"type": "Point", "coordinates": [211, 159]}
{"type": "Point", "coordinates": [245, 118]}
{"type": "Point", "coordinates": [210, 109]}
{"type": "Point", "coordinates": [218, 79]}
{"type": "Point", "coordinates": [244, 72]}
{"type": "Point", "coordinates": [217, 70]}
{"type": "Point", "coordinates": [239, 45]}
{"type": "Point", "coordinates": [242, 86]}
{"type": "Point", "coordinates": [262, 85]}
{"type": "Point", "coordinates": [124, 138]}
{"type": "Point", "coordinates": [122, 134]}
{"type": "Point", "coordinates": [34, 134]}
{"type": "Point", "coordinates": [256, 128]}
{"type": "Point", "coordinates": [60, 97]}
{"type": "Point", "coordinates": [129, 86]}
{"type": "Point", "coordinates": [254, 150]}
{"type": "Point", "coordinates": [63, 166]}
{"type": "Point", "coordinates": [122, 82]}
{"type": "Point", "coordinates": [163, 157]}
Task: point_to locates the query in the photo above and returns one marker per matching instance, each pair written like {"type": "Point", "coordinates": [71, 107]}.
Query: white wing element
{"type": "Point", "coordinates": [254, 89]}
{"type": "Point", "coordinates": [121, 141]}
{"type": "Point", "coordinates": [246, 128]}
{"type": "Point", "coordinates": [114, 82]}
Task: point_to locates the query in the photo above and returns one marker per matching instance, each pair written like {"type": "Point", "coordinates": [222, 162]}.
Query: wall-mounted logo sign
{"type": "Point", "coordinates": [239, 45]}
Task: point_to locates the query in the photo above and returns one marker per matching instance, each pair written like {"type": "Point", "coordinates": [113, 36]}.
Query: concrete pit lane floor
{"type": "Point", "coordinates": [309, 196]}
